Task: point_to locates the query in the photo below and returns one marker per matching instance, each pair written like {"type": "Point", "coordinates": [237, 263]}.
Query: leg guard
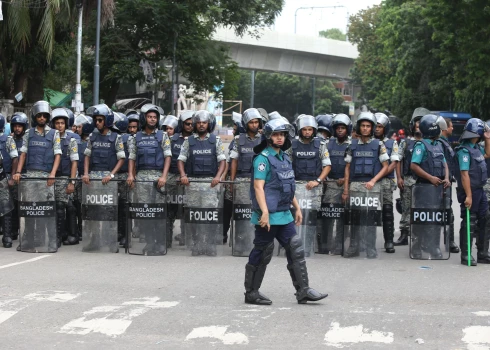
{"type": "Point", "coordinates": [453, 247]}
{"type": "Point", "coordinates": [15, 220]}
{"type": "Point", "coordinates": [71, 217]}
{"type": "Point", "coordinates": [255, 274]}
{"type": "Point", "coordinates": [483, 240]}
{"type": "Point", "coordinates": [7, 231]}
{"type": "Point", "coordinates": [78, 207]}
{"type": "Point", "coordinates": [299, 274]}
{"type": "Point", "coordinates": [388, 227]}
{"type": "Point", "coordinates": [227, 213]}
{"type": "Point", "coordinates": [61, 233]}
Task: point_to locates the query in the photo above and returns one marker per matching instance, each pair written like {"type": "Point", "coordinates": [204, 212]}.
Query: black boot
{"type": "Point", "coordinates": [453, 247]}
{"type": "Point", "coordinates": [7, 231]}
{"type": "Point", "coordinates": [353, 249]}
{"type": "Point", "coordinates": [71, 215]}
{"type": "Point", "coordinates": [483, 256]}
{"type": "Point", "coordinates": [253, 280]}
{"type": "Point", "coordinates": [403, 239]}
{"type": "Point", "coordinates": [61, 233]}
{"type": "Point", "coordinates": [299, 276]}
{"type": "Point", "coordinates": [388, 227]}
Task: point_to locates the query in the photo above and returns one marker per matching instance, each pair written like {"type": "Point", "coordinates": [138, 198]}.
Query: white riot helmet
{"type": "Point", "coordinates": [306, 121]}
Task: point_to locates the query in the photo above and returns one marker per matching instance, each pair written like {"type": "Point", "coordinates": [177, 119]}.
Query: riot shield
{"type": "Point", "coordinates": [243, 231]}
{"type": "Point", "coordinates": [331, 214]}
{"type": "Point", "coordinates": [310, 202]}
{"type": "Point", "coordinates": [99, 215]}
{"type": "Point", "coordinates": [148, 214]}
{"type": "Point", "coordinates": [429, 222]}
{"type": "Point", "coordinates": [37, 212]}
{"type": "Point", "coordinates": [203, 218]}
{"type": "Point", "coordinates": [363, 221]}
{"type": "Point", "coordinates": [6, 200]}
{"type": "Point", "coordinates": [175, 206]}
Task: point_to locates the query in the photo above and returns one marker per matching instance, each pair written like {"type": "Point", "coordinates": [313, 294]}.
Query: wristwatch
{"type": "Point", "coordinates": [112, 176]}
{"type": "Point", "coordinates": [72, 182]}
{"type": "Point", "coordinates": [319, 180]}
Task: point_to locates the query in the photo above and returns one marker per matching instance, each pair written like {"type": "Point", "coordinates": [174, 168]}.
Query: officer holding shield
{"type": "Point", "coordinates": [366, 164]}
{"type": "Point", "coordinates": [272, 193]}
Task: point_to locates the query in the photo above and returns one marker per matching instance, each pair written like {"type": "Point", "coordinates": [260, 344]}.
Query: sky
{"type": "Point", "coordinates": [311, 21]}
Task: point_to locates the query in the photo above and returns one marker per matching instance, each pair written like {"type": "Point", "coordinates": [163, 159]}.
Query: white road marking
{"type": "Point", "coordinates": [115, 319]}
{"type": "Point", "coordinates": [338, 336]}
{"type": "Point", "coordinates": [56, 296]}
{"type": "Point", "coordinates": [218, 332]}
{"type": "Point", "coordinates": [5, 315]}
{"type": "Point", "coordinates": [482, 313]}
{"type": "Point", "coordinates": [25, 261]}
{"type": "Point", "coordinates": [477, 337]}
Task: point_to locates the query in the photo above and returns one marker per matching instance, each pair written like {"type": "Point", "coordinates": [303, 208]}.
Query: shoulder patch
{"type": "Point", "coordinates": [465, 158]}
{"type": "Point", "coordinates": [418, 151]}
{"type": "Point", "coordinates": [261, 167]}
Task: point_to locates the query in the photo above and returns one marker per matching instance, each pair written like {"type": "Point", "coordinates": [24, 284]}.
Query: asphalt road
{"type": "Point", "coordinates": [81, 300]}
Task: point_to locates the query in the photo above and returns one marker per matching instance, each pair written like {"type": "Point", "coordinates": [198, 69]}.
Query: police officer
{"type": "Point", "coordinates": [311, 163]}
{"type": "Point", "coordinates": [202, 156]}
{"type": "Point", "coordinates": [272, 193]}
{"type": "Point", "coordinates": [446, 126]}
{"type": "Point", "coordinates": [121, 127]}
{"type": "Point", "coordinates": [388, 182]}
{"type": "Point", "coordinates": [471, 178]}
{"type": "Point", "coordinates": [84, 126]}
{"type": "Point", "coordinates": [9, 154]}
{"type": "Point", "coordinates": [341, 126]}
{"type": "Point", "coordinates": [429, 166]}
{"type": "Point", "coordinates": [366, 164]}
{"type": "Point", "coordinates": [324, 122]}
{"type": "Point", "coordinates": [104, 154]}
{"type": "Point", "coordinates": [41, 152]}
{"type": "Point", "coordinates": [67, 169]}
{"type": "Point", "coordinates": [242, 153]}
{"type": "Point", "coordinates": [406, 180]}
{"type": "Point", "coordinates": [19, 124]}
{"type": "Point", "coordinates": [150, 155]}
{"type": "Point", "coordinates": [133, 122]}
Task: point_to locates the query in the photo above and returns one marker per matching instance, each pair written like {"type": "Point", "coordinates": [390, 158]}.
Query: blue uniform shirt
{"type": "Point", "coordinates": [262, 172]}
{"type": "Point", "coordinates": [419, 153]}
{"type": "Point", "coordinates": [464, 158]}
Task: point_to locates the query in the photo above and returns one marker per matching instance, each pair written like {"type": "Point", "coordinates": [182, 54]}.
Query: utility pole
{"type": "Point", "coordinates": [252, 90]}
{"type": "Point", "coordinates": [97, 50]}
{"type": "Point", "coordinates": [77, 102]}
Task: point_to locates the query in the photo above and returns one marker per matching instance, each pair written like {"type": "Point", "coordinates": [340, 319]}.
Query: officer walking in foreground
{"type": "Point", "coordinates": [387, 182]}
{"type": "Point", "coordinates": [272, 193]}
{"type": "Point", "coordinates": [471, 177]}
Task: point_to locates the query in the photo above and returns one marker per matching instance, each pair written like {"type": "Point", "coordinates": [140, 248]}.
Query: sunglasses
{"type": "Point", "coordinates": [45, 116]}
{"type": "Point", "coordinates": [99, 120]}
{"type": "Point", "coordinates": [188, 124]}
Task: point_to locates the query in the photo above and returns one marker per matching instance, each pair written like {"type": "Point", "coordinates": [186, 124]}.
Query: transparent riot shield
{"type": "Point", "coordinates": [203, 218]}
{"type": "Point", "coordinates": [243, 231]}
{"type": "Point", "coordinates": [175, 206]}
{"type": "Point", "coordinates": [330, 240]}
{"type": "Point", "coordinates": [6, 200]}
{"type": "Point", "coordinates": [37, 212]}
{"type": "Point", "coordinates": [99, 215]}
{"type": "Point", "coordinates": [310, 203]}
{"type": "Point", "coordinates": [429, 221]}
{"type": "Point", "coordinates": [148, 214]}
{"type": "Point", "coordinates": [363, 221]}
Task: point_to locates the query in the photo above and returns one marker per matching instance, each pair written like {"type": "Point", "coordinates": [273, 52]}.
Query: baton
{"type": "Point", "coordinates": [468, 235]}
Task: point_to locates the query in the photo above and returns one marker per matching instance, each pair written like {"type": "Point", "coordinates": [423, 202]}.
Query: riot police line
{"type": "Point", "coordinates": [115, 210]}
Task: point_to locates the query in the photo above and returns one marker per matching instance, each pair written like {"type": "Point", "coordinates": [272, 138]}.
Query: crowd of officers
{"type": "Point", "coordinates": [327, 151]}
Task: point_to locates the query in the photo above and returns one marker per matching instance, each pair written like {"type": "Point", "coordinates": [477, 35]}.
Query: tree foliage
{"type": "Point", "coordinates": [333, 33]}
{"type": "Point", "coordinates": [431, 53]}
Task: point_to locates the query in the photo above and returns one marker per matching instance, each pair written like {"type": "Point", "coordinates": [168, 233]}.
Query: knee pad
{"type": "Point", "coordinates": [60, 208]}
{"type": "Point", "coordinates": [295, 248]}
{"type": "Point", "coordinates": [267, 251]}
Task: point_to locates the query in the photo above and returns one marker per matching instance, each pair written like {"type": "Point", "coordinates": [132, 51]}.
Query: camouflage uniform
{"type": "Point", "coordinates": [62, 181]}
{"type": "Point", "coordinates": [406, 195]}
{"type": "Point", "coordinates": [12, 151]}
{"type": "Point", "coordinates": [389, 185]}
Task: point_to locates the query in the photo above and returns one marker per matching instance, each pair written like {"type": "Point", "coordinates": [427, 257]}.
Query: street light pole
{"type": "Point", "coordinates": [320, 7]}
{"type": "Point", "coordinates": [97, 49]}
{"type": "Point", "coordinates": [77, 103]}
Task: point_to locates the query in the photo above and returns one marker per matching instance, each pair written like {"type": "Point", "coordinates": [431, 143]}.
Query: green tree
{"type": "Point", "coordinates": [333, 33]}
{"type": "Point", "coordinates": [328, 99]}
